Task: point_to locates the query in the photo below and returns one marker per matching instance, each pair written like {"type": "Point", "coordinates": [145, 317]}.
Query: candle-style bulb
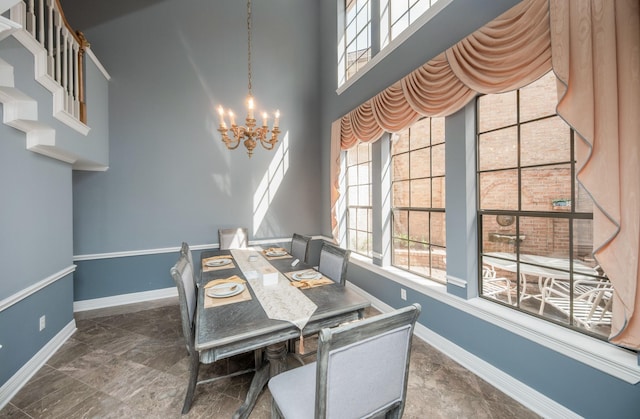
{"type": "Point", "coordinates": [250, 105]}
{"type": "Point", "coordinates": [277, 120]}
{"type": "Point", "coordinates": [221, 114]}
{"type": "Point", "coordinates": [232, 117]}
{"type": "Point", "coordinates": [264, 119]}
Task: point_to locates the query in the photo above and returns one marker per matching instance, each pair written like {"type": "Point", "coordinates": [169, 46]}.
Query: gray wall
{"type": "Point", "coordinates": [571, 383]}
{"type": "Point", "coordinates": [171, 177]}
{"type": "Point", "coordinates": [35, 242]}
{"type": "Point", "coordinates": [36, 217]}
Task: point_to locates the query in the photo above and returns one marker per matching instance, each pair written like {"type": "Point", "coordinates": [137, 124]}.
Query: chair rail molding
{"type": "Point", "coordinates": [174, 249]}
{"type": "Point", "coordinates": [21, 295]}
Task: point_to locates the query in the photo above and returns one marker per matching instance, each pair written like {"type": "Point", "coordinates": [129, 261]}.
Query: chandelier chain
{"type": "Point", "coordinates": [250, 134]}
{"type": "Point", "coordinates": [249, 43]}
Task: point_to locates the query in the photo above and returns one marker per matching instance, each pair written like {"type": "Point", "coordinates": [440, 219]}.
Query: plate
{"type": "Point", "coordinates": [306, 275]}
{"type": "Point", "coordinates": [218, 262]}
{"type": "Point", "coordinates": [273, 253]}
{"type": "Point", "coordinates": [228, 289]}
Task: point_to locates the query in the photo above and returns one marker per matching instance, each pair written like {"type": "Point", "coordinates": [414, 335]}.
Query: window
{"type": "Point", "coordinates": [356, 47]}
{"type": "Point", "coordinates": [418, 187]}
{"type": "Point", "coordinates": [397, 15]}
{"type": "Point", "coordinates": [359, 225]}
{"type": "Point", "coordinates": [534, 218]}
{"type": "Point", "coordinates": [355, 40]}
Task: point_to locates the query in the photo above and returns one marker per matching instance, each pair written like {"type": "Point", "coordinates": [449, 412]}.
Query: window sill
{"type": "Point", "coordinates": [605, 357]}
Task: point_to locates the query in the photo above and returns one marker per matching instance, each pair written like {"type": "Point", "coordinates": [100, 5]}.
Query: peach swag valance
{"type": "Point", "coordinates": [593, 46]}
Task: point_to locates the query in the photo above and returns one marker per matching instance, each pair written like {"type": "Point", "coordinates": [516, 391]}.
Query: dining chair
{"type": "Point", "coordinates": [233, 238]}
{"type": "Point", "coordinates": [186, 251]}
{"type": "Point", "coordinates": [300, 247]}
{"type": "Point", "coordinates": [333, 262]}
{"type": "Point", "coordinates": [361, 371]}
{"type": "Point", "coordinates": [182, 274]}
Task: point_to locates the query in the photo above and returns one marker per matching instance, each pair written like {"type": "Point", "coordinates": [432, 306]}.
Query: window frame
{"type": "Point", "coordinates": [344, 64]}
{"type": "Point", "coordinates": [430, 210]}
{"type": "Point", "coordinates": [349, 207]}
{"type": "Point", "coordinates": [377, 53]}
{"type": "Point", "coordinates": [571, 215]}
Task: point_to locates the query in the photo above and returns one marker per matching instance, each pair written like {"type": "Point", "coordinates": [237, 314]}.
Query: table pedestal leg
{"type": "Point", "coordinates": [276, 363]}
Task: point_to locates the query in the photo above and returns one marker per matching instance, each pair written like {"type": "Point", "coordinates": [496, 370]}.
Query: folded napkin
{"type": "Point", "coordinates": [276, 249]}
{"type": "Point", "coordinates": [206, 268]}
{"type": "Point", "coordinates": [312, 283]}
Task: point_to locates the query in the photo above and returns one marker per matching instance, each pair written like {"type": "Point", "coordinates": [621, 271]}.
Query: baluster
{"type": "Point", "coordinates": [31, 19]}
{"type": "Point", "coordinates": [40, 20]}
{"type": "Point", "coordinates": [65, 54]}
{"type": "Point", "coordinates": [58, 75]}
{"type": "Point", "coordinates": [69, 104]}
{"type": "Point", "coordinates": [76, 103]}
{"type": "Point", "coordinates": [50, 26]}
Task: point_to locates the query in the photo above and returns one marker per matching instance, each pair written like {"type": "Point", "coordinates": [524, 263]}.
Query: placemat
{"type": "Point", "coordinates": [206, 268]}
{"type": "Point", "coordinates": [310, 283]}
{"type": "Point", "coordinates": [275, 249]}
{"type": "Point", "coordinates": [217, 302]}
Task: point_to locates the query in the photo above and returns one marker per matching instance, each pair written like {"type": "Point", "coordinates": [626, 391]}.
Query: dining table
{"type": "Point", "coordinates": [265, 309]}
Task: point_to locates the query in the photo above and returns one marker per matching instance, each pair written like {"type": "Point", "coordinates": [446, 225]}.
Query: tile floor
{"type": "Point", "coordinates": [130, 362]}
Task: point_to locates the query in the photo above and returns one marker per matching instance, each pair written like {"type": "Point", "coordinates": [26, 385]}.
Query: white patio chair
{"type": "Point", "coordinates": [493, 286]}
{"type": "Point", "coordinates": [592, 300]}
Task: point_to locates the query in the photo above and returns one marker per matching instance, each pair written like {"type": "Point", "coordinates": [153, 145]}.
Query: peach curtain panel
{"type": "Point", "coordinates": [596, 55]}
{"type": "Point", "coordinates": [334, 167]}
{"type": "Point", "coordinates": [509, 52]}
{"type": "Point", "coordinates": [594, 48]}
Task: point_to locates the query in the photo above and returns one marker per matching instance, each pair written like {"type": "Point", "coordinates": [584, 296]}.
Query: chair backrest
{"type": "Point", "coordinates": [233, 238]}
{"type": "Point", "coordinates": [182, 274]}
{"type": "Point", "coordinates": [363, 367]}
{"type": "Point", "coordinates": [186, 251]}
{"type": "Point", "coordinates": [300, 247]}
{"type": "Point", "coordinates": [333, 262]}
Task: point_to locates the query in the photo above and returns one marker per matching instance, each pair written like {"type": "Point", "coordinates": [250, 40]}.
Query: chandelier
{"type": "Point", "coordinates": [249, 133]}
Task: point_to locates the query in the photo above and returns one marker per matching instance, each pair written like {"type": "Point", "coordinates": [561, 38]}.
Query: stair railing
{"type": "Point", "coordinates": [44, 20]}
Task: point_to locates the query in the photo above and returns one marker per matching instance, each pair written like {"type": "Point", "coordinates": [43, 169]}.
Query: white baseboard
{"type": "Point", "coordinates": [118, 300]}
{"type": "Point", "coordinates": [28, 370]}
{"type": "Point", "coordinates": [532, 399]}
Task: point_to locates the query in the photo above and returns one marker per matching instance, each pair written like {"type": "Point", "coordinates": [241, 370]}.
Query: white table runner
{"type": "Point", "coordinates": [280, 301]}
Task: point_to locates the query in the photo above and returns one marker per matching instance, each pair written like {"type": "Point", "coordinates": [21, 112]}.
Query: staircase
{"type": "Point", "coordinates": [56, 74]}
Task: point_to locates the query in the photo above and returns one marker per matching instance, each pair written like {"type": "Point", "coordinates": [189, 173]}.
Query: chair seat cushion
{"type": "Point", "coordinates": [298, 404]}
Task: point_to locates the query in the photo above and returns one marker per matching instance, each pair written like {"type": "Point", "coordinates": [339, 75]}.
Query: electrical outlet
{"type": "Point", "coordinates": [43, 322]}
{"type": "Point", "coordinates": [403, 294]}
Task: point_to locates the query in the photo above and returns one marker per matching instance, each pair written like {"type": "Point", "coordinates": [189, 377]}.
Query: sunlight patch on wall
{"type": "Point", "coordinates": [270, 182]}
